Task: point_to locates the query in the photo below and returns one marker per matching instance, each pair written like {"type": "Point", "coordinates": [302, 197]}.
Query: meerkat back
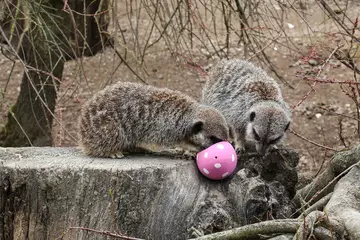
{"type": "Point", "coordinates": [251, 102]}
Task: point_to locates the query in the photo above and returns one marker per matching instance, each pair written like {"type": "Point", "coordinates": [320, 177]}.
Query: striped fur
{"type": "Point", "coordinates": [238, 88]}
{"type": "Point", "coordinates": [127, 115]}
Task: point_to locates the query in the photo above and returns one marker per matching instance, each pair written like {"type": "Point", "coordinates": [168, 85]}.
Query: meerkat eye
{"type": "Point", "coordinates": [197, 127]}
{"type": "Point", "coordinates": [215, 139]}
{"type": "Point", "coordinates": [252, 116]}
{"type": "Point", "coordinates": [257, 137]}
{"type": "Point", "coordinates": [274, 140]}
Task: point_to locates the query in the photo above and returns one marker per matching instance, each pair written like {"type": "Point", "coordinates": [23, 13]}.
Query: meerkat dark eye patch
{"type": "Point", "coordinates": [257, 137]}
{"type": "Point", "coordinates": [215, 139]}
{"type": "Point", "coordinates": [197, 127]}
{"type": "Point", "coordinates": [252, 116]}
{"type": "Point", "coordinates": [287, 127]}
{"type": "Point", "coordinates": [273, 141]}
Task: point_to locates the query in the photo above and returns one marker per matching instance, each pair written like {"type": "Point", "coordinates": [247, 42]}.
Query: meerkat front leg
{"type": "Point", "coordinates": [148, 148]}
{"type": "Point", "coordinates": [178, 152]}
{"type": "Point", "coordinates": [189, 151]}
{"type": "Point", "coordinates": [232, 137]}
{"type": "Point", "coordinates": [156, 149]}
{"type": "Point", "coordinates": [189, 155]}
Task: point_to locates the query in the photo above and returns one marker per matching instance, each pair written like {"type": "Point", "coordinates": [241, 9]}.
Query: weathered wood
{"type": "Point", "coordinates": [320, 187]}
{"type": "Point", "coordinates": [44, 191]}
{"type": "Point", "coordinates": [337, 214]}
{"type": "Point", "coordinates": [344, 205]}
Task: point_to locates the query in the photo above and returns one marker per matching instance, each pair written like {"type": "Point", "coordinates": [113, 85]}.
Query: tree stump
{"type": "Point", "coordinates": [44, 191]}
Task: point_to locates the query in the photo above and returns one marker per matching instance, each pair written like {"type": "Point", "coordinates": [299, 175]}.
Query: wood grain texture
{"type": "Point", "coordinates": [44, 191]}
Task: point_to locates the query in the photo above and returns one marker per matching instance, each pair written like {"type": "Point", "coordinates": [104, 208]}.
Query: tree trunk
{"type": "Point", "coordinates": [44, 191]}
{"type": "Point", "coordinates": [49, 40]}
{"type": "Point", "coordinates": [30, 119]}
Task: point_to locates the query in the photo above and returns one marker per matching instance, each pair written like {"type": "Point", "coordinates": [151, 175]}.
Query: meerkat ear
{"type": "Point", "coordinates": [252, 116]}
{"type": "Point", "coordinates": [287, 126]}
{"type": "Point", "coordinates": [197, 127]}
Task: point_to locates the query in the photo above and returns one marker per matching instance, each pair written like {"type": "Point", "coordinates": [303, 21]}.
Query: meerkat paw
{"type": "Point", "coordinates": [116, 155]}
{"type": "Point", "coordinates": [178, 151]}
{"type": "Point", "coordinates": [239, 151]}
{"type": "Point", "coordinates": [188, 154]}
{"type": "Point", "coordinates": [239, 148]}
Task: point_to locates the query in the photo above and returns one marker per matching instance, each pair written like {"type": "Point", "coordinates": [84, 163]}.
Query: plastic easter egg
{"type": "Point", "coordinates": [217, 161]}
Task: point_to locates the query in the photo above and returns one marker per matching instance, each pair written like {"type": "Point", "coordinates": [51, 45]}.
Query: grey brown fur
{"type": "Point", "coordinates": [251, 102]}
{"type": "Point", "coordinates": [127, 116]}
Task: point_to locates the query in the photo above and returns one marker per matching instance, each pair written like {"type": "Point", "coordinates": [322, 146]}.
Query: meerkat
{"type": "Point", "coordinates": [251, 102]}
{"type": "Point", "coordinates": [128, 116]}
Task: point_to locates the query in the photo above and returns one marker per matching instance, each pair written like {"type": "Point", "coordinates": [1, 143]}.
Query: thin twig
{"type": "Point", "coordinates": [329, 80]}
{"type": "Point", "coordinates": [339, 114]}
{"type": "Point", "coordinates": [317, 75]}
{"type": "Point", "coordinates": [332, 14]}
{"type": "Point", "coordinates": [126, 64]}
{"type": "Point", "coordinates": [105, 233]}
{"type": "Point", "coordinates": [321, 165]}
{"type": "Point", "coordinates": [67, 9]}
{"type": "Point", "coordinates": [341, 137]}
{"type": "Point", "coordinates": [301, 16]}
{"type": "Point", "coordinates": [254, 230]}
{"type": "Point", "coordinates": [26, 72]}
{"type": "Point", "coordinates": [317, 205]}
{"type": "Point", "coordinates": [312, 142]}
{"type": "Point", "coordinates": [321, 191]}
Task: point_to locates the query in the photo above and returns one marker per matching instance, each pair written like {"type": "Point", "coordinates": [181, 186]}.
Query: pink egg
{"type": "Point", "coordinates": [217, 161]}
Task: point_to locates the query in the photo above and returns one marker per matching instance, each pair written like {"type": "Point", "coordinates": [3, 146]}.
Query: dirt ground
{"type": "Point", "coordinates": [310, 120]}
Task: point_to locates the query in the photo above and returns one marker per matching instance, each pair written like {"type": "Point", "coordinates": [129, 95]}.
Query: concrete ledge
{"type": "Point", "coordinates": [44, 191]}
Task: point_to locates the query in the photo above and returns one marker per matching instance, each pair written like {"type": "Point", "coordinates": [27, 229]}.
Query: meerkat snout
{"type": "Point", "coordinates": [267, 126]}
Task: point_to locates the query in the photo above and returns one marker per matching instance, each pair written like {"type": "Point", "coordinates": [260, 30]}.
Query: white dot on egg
{"type": "Point", "coordinates": [217, 165]}
{"type": "Point", "coordinates": [206, 155]}
{"type": "Point", "coordinates": [225, 174]}
{"type": "Point", "coordinates": [232, 157]}
{"type": "Point", "coordinates": [206, 171]}
{"type": "Point", "coordinates": [220, 146]}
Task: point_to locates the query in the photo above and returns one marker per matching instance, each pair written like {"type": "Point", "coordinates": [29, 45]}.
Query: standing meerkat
{"type": "Point", "coordinates": [128, 116]}
{"type": "Point", "coordinates": [251, 102]}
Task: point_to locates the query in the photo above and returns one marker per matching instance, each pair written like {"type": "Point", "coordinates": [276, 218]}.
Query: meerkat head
{"type": "Point", "coordinates": [267, 124]}
{"type": "Point", "coordinates": [209, 127]}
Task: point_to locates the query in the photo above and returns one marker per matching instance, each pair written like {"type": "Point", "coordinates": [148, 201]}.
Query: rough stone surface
{"type": "Point", "coordinates": [44, 191]}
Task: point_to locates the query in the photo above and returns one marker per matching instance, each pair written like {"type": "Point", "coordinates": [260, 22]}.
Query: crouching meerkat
{"type": "Point", "coordinates": [127, 116]}
{"type": "Point", "coordinates": [251, 102]}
